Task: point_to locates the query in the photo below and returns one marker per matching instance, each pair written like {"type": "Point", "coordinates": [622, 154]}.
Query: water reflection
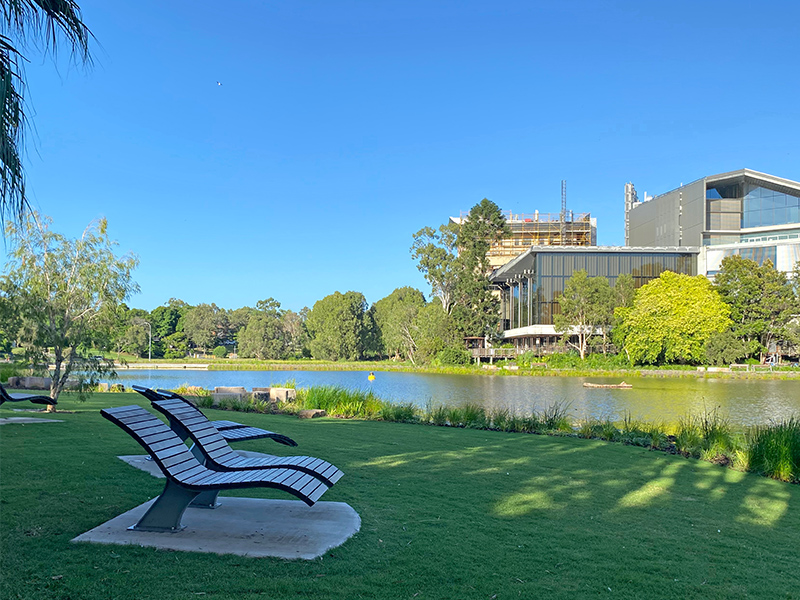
{"type": "Point", "coordinates": [744, 402]}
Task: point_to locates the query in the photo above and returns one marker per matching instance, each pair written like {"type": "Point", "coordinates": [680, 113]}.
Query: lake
{"type": "Point", "coordinates": [744, 402]}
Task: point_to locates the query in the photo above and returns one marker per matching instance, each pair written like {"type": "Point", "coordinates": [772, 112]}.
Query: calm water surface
{"type": "Point", "coordinates": [654, 399]}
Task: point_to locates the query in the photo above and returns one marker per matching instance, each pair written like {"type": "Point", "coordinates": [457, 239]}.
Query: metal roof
{"type": "Point", "coordinates": [513, 267]}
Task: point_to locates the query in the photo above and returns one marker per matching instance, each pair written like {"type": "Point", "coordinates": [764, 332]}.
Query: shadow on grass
{"type": "Point", "coordinates": [445, 513]}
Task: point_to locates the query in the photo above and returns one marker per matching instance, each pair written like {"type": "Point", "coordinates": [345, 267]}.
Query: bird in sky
{"type": "Point", "coordinates": [218, 83]}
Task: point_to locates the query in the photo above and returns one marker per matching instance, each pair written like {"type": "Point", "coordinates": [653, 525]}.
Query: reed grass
{"type": "Point", "coordinates": [771, 450]}
{"type": "Point", "coordinates": [774, 450]}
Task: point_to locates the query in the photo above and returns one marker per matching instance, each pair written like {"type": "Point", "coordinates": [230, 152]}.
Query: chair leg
{"type": "Point", "coordinates": [205, 500]}
{"type": "Point", "coordinates": [166, 512]}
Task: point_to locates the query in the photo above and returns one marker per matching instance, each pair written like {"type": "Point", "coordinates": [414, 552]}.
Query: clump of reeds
{"type": "Point", "coordinates": [399, 413]}
{"type": "Point", "coordinates": [435, 415]}
{"type": "Point", "coordinates": [708, 436]}
{"type": "Point", "coordinates": [774, 450]}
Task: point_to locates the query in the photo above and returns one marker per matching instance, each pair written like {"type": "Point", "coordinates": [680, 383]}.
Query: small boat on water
{"type": "Point", "coordinates": [613, 386]}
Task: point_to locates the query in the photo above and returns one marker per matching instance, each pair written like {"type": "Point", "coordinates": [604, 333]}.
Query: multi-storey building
{"type": "Point", "coordinates": [742, 212]}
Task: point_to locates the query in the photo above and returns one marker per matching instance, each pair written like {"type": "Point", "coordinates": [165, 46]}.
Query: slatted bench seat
{"type": "Point", "coordinates": [230, 430]}
{"type": "Point", "coordinates": [187, 478]}
{"type": "Point", "coordinates": [5, 396]}
{"type": "Point", "coordinates": [219, 455]}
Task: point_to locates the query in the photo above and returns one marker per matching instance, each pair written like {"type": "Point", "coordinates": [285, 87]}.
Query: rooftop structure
{"type": "Point", "coordinates": [728, 208]}
{"type": "Point", "coordinates": [540, 229]}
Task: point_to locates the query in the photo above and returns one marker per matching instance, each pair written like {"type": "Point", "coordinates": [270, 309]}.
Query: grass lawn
{"type": "Point", "coordinates": [446, 513]}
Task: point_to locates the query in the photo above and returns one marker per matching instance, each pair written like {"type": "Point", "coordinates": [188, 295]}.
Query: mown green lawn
{"type": "Point", "coordinates": [446, 513]}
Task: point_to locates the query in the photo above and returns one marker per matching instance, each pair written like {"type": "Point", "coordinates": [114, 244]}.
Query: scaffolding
{"type": "Point", "coordinates": [540, 229]}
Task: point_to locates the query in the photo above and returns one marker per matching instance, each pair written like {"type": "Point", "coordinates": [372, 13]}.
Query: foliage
{"type": "Point", "coordinates": [671, 320]}
{"type": "Point", "coordinates": [296, 333]}
{"type": "Point", "coordinates": [395, 316]}
{"type": "Point", "coordinates": [220, 352]}
{"type": "Point", "coordinates": [455, 263]}
{"type": "Point", "coordinates": [42, 22]}
{"type": "Point", "coordinates": [341, 327]}
{"type": "Point", "coordinates": [483, 226]}
{"type": "Point", "coordinates": [586, 306]}
{"type": "Point", "coordinates": [774, 450]}
{"type": "Point", "coordinates": [175, 345]}
{"type": "Point", "coordinates": [264, 336]}
{"type": "Point", "coordinates": [205, 326]}
{"type": "Point", "coordinates": [165, 320]}
{"type": "Point", "coordinates": [431, 331]}
{"type": "Point", "coordinates": [761, 299]}
{"type": "Point", "coordinates": [453, 356]}
{"type": "Point", "coordinates": [572, 360]}
{"type": "Point", "coordinates": [725, 348]}
{"type": "Point", "coordinates": [477, 309]}
{"type": "Point", "coordinates": [436, 255]}
{"type": "Point", "coordinates": [65, 292]}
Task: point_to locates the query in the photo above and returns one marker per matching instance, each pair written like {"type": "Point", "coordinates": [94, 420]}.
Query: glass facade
{"type": "Point", "coordinates": [764, 207]}
{"type": "Point", "coordinates": [734, 206]}
{"type": "Point", "coordinates": [532, 298]}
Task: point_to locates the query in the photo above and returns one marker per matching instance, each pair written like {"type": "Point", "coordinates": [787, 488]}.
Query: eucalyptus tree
{"type": "Point", "coordinates": [263, 337]}
{"type": "Point", "coordinates": [65, 292]}
{"type": "Point", "coordinates": [436, 253]}
{"type": "Point", "coordinates": [395, 315]}
{"type": "Point", "coordinates": [455, 262]}
{"type": "Point", "coordinates": [586, 307]}
{"type": "Point", "coordinates": [42, 24]}
{"type": "Point", "coordinates": [341, 327]}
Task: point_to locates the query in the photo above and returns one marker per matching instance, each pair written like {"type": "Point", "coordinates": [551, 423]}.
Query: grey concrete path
{"type": "Point", "coordinates": [25, 420]}
{"type": "Point", "coordinates": [243, 526]}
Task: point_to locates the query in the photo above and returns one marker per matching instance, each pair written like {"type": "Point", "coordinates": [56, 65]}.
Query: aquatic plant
{"type": "Point", "coordinates": [774, 450]}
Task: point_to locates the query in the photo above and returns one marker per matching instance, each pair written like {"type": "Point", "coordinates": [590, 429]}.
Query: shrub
{"type": "Point", "coordinates": [10, 370]}
{"type": "Point", "coordinates": [454, 356]}
{"type": "Point", "coordinates": [718, 439]}
{"type": "Point", "coordinates": [205, 401]}
{"type": "Point", "coordinates": [220, 352]}
{"type": "Point", "coordinates": [589, 428]}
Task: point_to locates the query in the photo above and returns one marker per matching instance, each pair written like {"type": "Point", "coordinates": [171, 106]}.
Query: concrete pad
{"type": "Point", "coordinates": [143, 462]}
{"type": "Point", "coordinates": [242, 526]}
{"type": "Point", "coordinates": [25, 420]}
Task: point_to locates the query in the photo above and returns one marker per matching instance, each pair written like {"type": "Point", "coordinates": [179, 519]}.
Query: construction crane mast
{"type": "Point", "coordinates": [563, 232]}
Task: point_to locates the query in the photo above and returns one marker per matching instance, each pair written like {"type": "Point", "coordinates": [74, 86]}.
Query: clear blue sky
{"type": "Point", "coordinates": [341, 128]}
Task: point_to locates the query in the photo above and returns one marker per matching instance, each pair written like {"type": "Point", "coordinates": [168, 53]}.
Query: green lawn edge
{"type": "Point", "coordinates": [446, 513]}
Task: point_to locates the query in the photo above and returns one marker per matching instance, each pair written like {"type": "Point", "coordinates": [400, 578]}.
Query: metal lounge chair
{"type": "Point", "coordinates": [230, 430]}
{"type": "Point", "coordinates": [211, 448]}
{"type": "Point", "coordinates": [5, 396]}
{"type": "Point", "coordinates": [187, 478]}
{"type": "Point", "coordinates": [220, 456]}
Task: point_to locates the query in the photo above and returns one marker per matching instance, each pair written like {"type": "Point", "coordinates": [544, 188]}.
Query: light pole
{"type": "Point", "coordinates": [150, 342]}
{"type": "Point", "coordinates": [150, 334]}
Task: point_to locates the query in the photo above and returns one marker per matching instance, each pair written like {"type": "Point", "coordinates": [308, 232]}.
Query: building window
{"type": "Point", "coordinates": [765, 208]}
